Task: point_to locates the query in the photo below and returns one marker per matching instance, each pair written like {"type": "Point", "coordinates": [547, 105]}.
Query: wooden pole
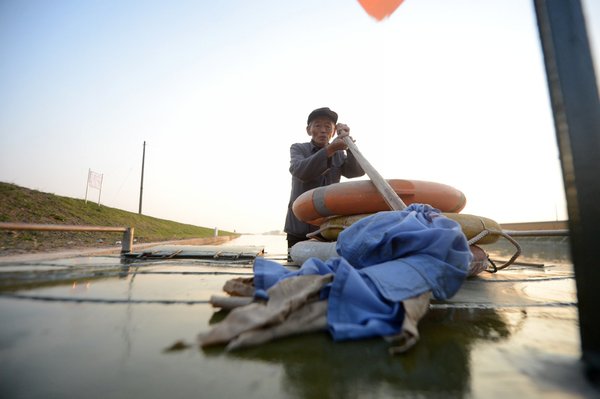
{"type": "Point", "coordinates": [389, 195]}
{"type": "Point", "coordinates": [142, 181]}
{"type": "Point", "coordinates": [100, 189]}
{"type": "Point", "coordinates": [87, 184]}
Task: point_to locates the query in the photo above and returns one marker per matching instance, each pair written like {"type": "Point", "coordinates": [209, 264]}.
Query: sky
{"type": "Point", "coordinates": [447, 91]}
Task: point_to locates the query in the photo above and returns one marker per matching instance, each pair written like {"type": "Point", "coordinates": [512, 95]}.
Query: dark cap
{"type": "Point", "coordinates": [326, 112]}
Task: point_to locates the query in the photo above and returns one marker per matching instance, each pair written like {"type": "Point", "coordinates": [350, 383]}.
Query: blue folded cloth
{"type": "Point", "coordinates": [383, 259]}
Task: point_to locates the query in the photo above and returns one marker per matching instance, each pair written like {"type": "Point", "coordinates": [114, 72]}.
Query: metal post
{"type": "Point", "coordinates": [127, 243]}
{"type": "Point", "coordinates": [142, 181]}
{"type": "Point", "coordinates": [576, 108]}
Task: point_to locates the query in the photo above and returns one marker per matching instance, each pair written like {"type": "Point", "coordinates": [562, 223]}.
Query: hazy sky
{"type": "Point", "coordinates": [447, 91]}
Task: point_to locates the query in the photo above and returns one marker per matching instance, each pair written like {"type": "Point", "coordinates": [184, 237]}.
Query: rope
{"type": "Point", "coordinates": [317, 233]}
{"type": "Point", "coordinates": [478, 237]}
{"type": "Point", "coordinates": [517, 253]}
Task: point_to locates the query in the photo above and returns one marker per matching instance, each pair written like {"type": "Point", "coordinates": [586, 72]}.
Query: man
{"type": "Point", "coordinates": [318, 163]}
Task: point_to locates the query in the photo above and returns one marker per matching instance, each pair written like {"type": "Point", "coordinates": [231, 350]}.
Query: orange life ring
{"type": "Point", "coordinates": [361, 196]}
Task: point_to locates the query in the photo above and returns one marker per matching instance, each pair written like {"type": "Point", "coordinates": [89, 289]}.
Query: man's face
{"type": "Point", "coordinates": [321, 130]}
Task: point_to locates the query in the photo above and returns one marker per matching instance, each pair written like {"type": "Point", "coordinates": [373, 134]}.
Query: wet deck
{"type": "Point", "coordinates": [102, 327]}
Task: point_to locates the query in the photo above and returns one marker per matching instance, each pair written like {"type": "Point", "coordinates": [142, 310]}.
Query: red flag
{"type": "Point", "coordinates": [380, 9]}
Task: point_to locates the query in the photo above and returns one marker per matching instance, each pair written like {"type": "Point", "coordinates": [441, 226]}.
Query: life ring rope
{"type": "Point", "coordinates": [513, 258]}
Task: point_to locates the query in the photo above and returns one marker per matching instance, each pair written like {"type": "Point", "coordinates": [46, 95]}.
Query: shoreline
{"type": "Point", "coordinates": [547, 225]}
{"type": "Point", "coordinates": [90, 251]}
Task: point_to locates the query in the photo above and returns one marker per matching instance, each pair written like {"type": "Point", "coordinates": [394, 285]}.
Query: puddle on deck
{"type": "Point", "coordinates": [99, 327]}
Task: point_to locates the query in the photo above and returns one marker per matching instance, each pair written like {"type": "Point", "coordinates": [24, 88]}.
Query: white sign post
{"type": "Point", "coordinates": [94, 180]}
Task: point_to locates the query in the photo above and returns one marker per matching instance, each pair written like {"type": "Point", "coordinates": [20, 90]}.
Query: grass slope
{"type": "Point", "coordinates": [19, 204]}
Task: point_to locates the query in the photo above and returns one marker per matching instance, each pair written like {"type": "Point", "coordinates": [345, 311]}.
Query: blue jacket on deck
{"type": "Point", "coordinates": [384, 259]}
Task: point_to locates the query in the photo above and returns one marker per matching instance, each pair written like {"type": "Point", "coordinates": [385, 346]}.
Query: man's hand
{"type": "Point", "coordinates": [338, 144]}
{"type": "Point", "coordinates": [342, 130]}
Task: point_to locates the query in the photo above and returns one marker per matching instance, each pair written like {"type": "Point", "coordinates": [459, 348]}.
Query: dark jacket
{"type": "Point", "coordinates": [310, 168]}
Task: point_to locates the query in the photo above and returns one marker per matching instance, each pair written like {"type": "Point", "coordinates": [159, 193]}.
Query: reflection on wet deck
{"type": "Point", "coordinates": [100, 327]}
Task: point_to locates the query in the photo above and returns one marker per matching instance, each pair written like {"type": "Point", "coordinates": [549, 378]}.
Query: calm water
{"type": "Point", "coordinates": [275, 245]}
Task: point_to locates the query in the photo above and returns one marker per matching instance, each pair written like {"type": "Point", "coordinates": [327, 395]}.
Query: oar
{"type": "Point", "coordinates": [389, 195]}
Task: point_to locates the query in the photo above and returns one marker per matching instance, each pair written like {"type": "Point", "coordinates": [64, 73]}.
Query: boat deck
{"type": "Point", "coordinates": [112, 327]}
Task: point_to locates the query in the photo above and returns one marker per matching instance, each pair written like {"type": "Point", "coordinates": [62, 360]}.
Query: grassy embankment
{"type": "Point", "coordinates": [22, 205]}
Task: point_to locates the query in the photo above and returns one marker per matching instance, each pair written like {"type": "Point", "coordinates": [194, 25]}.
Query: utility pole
{"type": "Point", "coordinates": [142, 182]}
